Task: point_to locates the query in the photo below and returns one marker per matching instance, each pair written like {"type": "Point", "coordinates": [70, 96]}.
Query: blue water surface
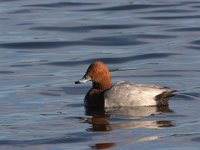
{"type": "Point", "coordinates": [47, 45]}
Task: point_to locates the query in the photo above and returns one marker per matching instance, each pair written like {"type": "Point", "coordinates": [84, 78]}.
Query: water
{"type": "Point", "coordinates": [47, 45]}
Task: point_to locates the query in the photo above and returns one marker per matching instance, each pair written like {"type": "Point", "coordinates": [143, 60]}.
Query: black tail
{"type": "Point", "coordinates": [162, 99]}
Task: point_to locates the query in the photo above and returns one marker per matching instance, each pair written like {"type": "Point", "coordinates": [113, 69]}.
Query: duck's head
{"type": "Point", "coordinates": [99, 74]}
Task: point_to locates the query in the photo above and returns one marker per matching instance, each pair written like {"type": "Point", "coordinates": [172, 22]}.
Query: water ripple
{"type": "Point", "coordinates": [8, 0]}
{"type": "Point", "coordinates": [6, 72]}
{"type": "Point", "coordinates": [194, 47]}
{"type": "Point", "coordinates": [188, 95]}
{"type": "Point", "coordinates": [190, 29]}
{"type": "Point", "coordinates": [129, 7]}
{"type": "Point", "coordinates": [196, 42]}
{"type": "Point", "coordinates": [21, 11]}
{"type": "Point", "coordinates": [172, 17]}
{"type": "Point", "coordinates": [116, 60]}
{"type": "Point", "coordinates": [85, 28]}
{"type": "Point", "coordinates": [154, 36]}
{"type": "Point", "coordinates": [35, 45]}
{"type": "Point", "coordinates": [114, 41]}
{"type": "Point", "coordinates": [60, 4]}
{"type": "Point", "coordinates": [171, 11]}
{"type": "Point", "coordinates": [68, 139]}
{"type": "Point", "coordinates": [99, 41]}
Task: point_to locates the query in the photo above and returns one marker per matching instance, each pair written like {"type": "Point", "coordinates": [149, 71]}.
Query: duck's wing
{"type": "Point", "coordinates": [131, 94]}
{"type": "Point", "coordinates": [163, 95]}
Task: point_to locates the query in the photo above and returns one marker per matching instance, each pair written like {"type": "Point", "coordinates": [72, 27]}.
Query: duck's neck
{"type": "Point", "coordinates": [101, 87]}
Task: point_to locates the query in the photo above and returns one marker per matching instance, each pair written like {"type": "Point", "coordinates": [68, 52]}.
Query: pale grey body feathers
{"type": "Point", "coordinates": [131, 94]}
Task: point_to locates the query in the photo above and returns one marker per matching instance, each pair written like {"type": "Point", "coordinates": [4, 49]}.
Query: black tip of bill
{"type": "Point", "coordinates": [83, 80]}
{"type": "Point", "coordinates": [77, 82]}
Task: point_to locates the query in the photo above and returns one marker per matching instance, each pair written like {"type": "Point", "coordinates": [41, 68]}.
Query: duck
{"type": "Point", "coordinates": [121, 94]}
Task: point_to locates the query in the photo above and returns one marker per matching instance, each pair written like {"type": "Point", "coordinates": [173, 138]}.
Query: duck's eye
{"type": "Point", "coordinates": [87, 77]}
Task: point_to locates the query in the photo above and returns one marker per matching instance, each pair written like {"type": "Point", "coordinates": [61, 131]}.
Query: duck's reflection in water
{"type": "Point", "coordinates": [105, 120]}
{"type": "Point", "coordinates": [103, 145]}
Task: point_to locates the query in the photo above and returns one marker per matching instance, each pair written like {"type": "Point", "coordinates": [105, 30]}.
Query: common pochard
{"type": "Point", "coordinates": [105, 94]}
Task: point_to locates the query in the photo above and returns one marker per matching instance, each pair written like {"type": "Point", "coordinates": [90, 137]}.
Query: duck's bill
{"type": "Point", "coordinates": [82, 81]}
